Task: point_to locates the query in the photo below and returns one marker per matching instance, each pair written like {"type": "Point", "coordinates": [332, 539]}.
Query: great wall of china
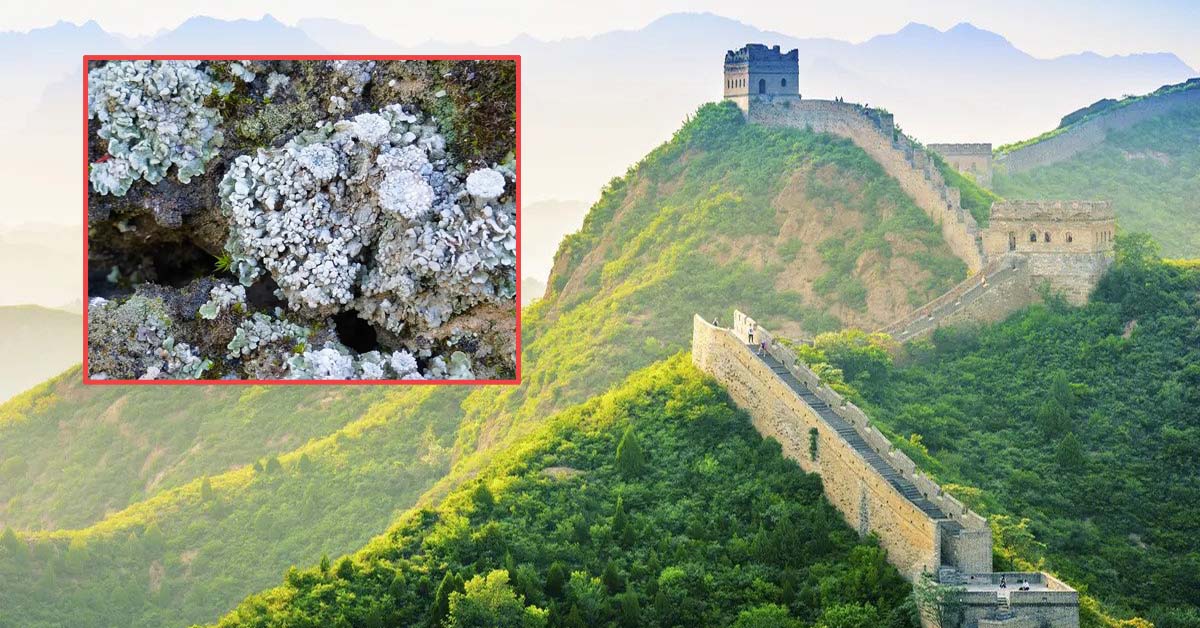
{"type": "Point", "coordinates": [1028, 247]}
{"type": "Point", "coordinates": [1091, 132]}
{"type": "Point", "coordinates": [873, 130]}
{"type": "Point", "coordinates": [930, 536]}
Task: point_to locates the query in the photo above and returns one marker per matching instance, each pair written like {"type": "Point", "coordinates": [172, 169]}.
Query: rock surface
{"type": "Point", "coordinates": [302, 219]}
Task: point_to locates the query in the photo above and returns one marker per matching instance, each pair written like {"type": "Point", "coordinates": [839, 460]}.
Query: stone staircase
{"type": "Point", "coordinates": [963, 295]}
{"type": "Point", "coordinates": [852, 437]}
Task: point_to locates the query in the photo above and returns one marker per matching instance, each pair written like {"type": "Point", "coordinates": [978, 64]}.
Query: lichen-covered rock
{"type": "Point", "coordinates": [330, 213]}
{"type": "Point", "coordinates": [153, 115]}
{"type": "Point", "coordinates": [135, 339]}
{"type": "Point", "coordinates": [374, 207]}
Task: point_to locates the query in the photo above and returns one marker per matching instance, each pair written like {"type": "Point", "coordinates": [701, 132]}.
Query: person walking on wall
{"type": "Point", "coordinates": [750, 333]}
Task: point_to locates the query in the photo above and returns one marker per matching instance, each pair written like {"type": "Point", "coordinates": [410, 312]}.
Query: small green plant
{"type": "Point", "coordinates": [224, 262]}
{"type": "Point", "coordinates": [812, 443]}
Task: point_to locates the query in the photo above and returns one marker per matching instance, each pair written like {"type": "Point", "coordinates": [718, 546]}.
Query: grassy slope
{"type": "Point", "coordinates": [662, 243]}
{"type": "Point", "coordinates": [116, 446]}
{"type": "Point", "coordinates": [718, 523]}
{"type": "Point", "coordinates": [1148, 171]}
{"type": "Point", "coordinates": [1106, 478]}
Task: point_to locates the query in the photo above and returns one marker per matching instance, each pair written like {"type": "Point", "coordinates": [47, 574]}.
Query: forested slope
{"type": "Point", "coordinates": [1077, 429]}
{"type": "Point", "coordinates": [802, 228]}
{"type": "Point", "coordinates": [656, 504]}
{"type": "Point", "coordinates": [1148, 171]}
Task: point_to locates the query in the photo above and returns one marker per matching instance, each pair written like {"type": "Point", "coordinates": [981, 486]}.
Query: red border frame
{"type": "Point", "coordinates": [87, 380]}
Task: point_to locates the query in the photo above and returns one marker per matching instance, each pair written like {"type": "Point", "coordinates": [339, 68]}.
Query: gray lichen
{"type": "Point", "coordinates": [153, 115]}
{"type": "Point", "coordinates": [135, 339]}
{"type": "Point", "coordinates": [335, 203]}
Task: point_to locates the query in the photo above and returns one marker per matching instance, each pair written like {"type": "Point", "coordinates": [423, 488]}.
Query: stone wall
{"type": "Point", "coordinates": [914, 541]}
{"type": "Point", "coordinates": [1054, 605]}
{"type": "Point", "coordinates": [973, 159]}
{"type": "Point", "coordinates": [1091, 133]}
{"type": "Point", "coordinates": [1001, 288]}
{"type": "Point", "coordinates": [956, 546]}
{"type": "Point", "coordinates": [874, 131]}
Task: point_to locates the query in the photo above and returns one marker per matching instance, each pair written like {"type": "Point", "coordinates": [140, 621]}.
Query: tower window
{"type": "Point", "coordinates": [1046, 237]}
{"type": "Point", "coordinates": [1033, 236]}
{"type": "Point", "coordinates": [762, 86]}
{"type": "Point", "coordinates": [1070, 238]}
{"type": "Point", "coordinates": [783, 82]}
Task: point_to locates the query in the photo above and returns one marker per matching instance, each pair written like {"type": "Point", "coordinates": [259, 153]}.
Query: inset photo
{"type": "Point", "coordinates": [299, 219]}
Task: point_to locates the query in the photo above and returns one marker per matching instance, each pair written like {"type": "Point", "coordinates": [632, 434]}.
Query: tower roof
{"type": "Point", "coordinates": [759, 52]}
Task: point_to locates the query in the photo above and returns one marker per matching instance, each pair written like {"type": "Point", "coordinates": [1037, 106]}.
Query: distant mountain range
{"type": "Point", "coordinates": [37, 343]}
{"type": "Point", "coordinates": [592, 105]}
{"type": "Point", "coordinates": [41, 264]}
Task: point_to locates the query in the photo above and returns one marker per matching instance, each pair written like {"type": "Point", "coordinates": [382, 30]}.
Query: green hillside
{"type": "Point", "coordinates": [114, 445]}
{"type": "Point", "coordinates": [1076, 429]}
{"type": "Point", "coordinates": [1148, 171]}
{"type": "Point", "coordinates": [802, 228]}
{"type": "Point", "coordinates": [656, 504]}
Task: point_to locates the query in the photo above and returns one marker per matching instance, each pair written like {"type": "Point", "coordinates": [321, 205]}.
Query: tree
{"type": "Point", "coordinates": [612, 578]}
{"type": "Point", "coordinates": [483, 499]}
{"type": "Point", "coordinates": [556, 579]}
{"type": "Point", "coordinates": [766, 616]}
{"type": "Point", "coordinates": [345, 568]}
{"type": "Point", "coordinates": [849, 616]}
{"type": "Point", "coordinates": [273, 466]}
{"type": "Point", "coordinates": [488, 601]}
{"type": "Point", "coordinates": [1070, 453]}
{"type": "Point", "coordinates": [631, 460]}
{"type": "Point", "coordinates": [13, 546]}
{"type": "Point", "coordinates": [441, 601]}
{"type": "Point", "coordinates": [620, 519]}
{"type": "Point", "coordinates": [631, 610]}
{"type": "Point", "coordinates": [324, 565]}
{"type": "Point", "coordinates": [206, 490]}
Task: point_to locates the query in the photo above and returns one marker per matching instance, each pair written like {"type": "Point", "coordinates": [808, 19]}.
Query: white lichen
{"type": "Point", "coordinates": [241, 72]}
{"type": "Point", "coordinates": [261, 330]}
{"type": "Point", "coordinates": [371, 214]}
{"type": "Point", "coordinates": [485, 184]}
{"type": "Point", "coordinates": [222, 297]}
{"type": "Point", "coordinates": [153, 116]}
{"type": "Point", "coordinates": [276, 82]}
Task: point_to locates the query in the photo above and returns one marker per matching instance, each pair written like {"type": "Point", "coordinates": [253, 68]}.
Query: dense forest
{"type": "Point", "coordinates": [656, 504]}
{"type": "Point", "coordinates": [1148, 171]}
{"type": "Point", "coordinates": [183, 501]}
{"type": "Point", "coordinates": [1076, 429]}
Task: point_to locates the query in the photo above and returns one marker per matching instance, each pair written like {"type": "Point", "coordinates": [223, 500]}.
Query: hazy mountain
{"type": "Point", "coordinates": [344, 38]}
{"type": "Point", "coordinates": [207, 35]}
{"type": "Point", "coordinates": [37, 343]}
{"type": "Point", "coordinates": [531, 290]}
{"type": "Point", "coordinates": [586, 115]}
{"type": "Point", "coordinates": [40, 264]}
{"type": "Point", "coordinates": [543, 225]}
{"type": "Point", "coordinates": [30, 61]}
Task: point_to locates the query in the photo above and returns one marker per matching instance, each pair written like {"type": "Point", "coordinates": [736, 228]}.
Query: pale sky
{"type": "Point", "coordinates": [1044, 28]}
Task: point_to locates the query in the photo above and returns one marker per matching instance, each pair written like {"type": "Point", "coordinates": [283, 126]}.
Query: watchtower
{"type": "Point", "coordinates": [758, 73]}
{"type": "Point", "coordinates": [1068, 243]}
{"type": "Point", "coordinates": [975, 159]}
